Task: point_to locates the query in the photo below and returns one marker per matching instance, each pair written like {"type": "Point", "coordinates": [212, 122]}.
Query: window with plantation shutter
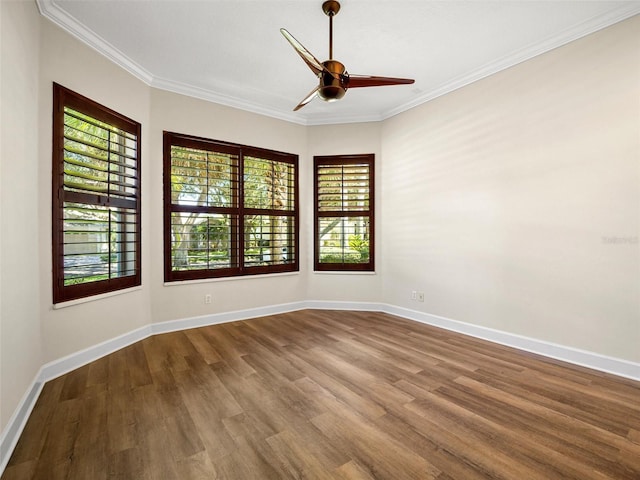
{"type": "Point", "coordinates": [229, 209]}
{"type": "Point", "coordinates": [96, 198]}
{"type": "Point", "coordinates": [344, 206]}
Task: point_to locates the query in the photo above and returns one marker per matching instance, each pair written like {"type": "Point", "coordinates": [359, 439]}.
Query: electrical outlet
{"type": "Point", "coordinates": [207, 298]}
{"type": "Point", "coordinates": [414, 295]}
{"type": "Point", "coordinates": [421, 296]}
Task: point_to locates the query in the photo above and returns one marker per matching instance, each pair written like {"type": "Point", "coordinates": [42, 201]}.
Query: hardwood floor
{"type": "Point", "coordinates": [329, 395]}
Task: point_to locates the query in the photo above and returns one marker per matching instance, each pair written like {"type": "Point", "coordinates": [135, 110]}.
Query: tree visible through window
{"type": "Point", "coordinates": [229, 209]}
{"type": "Point", "coordinates": [344, 206]}
{"type": "Point", "coordinates": [96, 198]}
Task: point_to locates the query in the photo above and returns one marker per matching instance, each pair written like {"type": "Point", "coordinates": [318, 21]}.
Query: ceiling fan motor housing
{"type": "Point", "coordinates": [333, 81]}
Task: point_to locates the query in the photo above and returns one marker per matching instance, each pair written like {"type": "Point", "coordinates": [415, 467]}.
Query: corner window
{"type": "Point", "coordinates": [96, 198]}
{"type": "Point", "coordinates": [344, 207]}
{"type": "Point", "coordinates": [229, 209]}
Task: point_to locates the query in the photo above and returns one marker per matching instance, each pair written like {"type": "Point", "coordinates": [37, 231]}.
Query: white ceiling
{"type": "Point", "coordinates": [231, 51]}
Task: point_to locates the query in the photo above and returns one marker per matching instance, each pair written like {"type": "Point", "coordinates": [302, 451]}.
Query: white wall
{"type": "Point", "coordinates": [20, 338]}
{"type": "Point", "coordinates": [177, 113]}
{"type": "Point", "coordinates": [500, 198]}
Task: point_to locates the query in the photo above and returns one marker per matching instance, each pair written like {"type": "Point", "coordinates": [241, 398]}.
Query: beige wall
{"type": "Point", "coordinates": [20, 339]}
{"type": "Point", "coordinates": [345, 139]}
{"type": "Point", "coordinates": [499, 199]}
{"type": "Point", "coordinates": [177, 113]}
{"type": "Point", "coordinates": [494, 200]}
{"type": "Point", "coordinates": [70, 63]}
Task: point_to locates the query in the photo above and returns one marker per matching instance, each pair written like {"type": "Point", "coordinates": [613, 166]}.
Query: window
{"type": "Point", "coordinates": [96, 198]}
{"type": "Point", "coordinates": [229, 209]}
{"type": "Point", "coordinates": [343, 199]}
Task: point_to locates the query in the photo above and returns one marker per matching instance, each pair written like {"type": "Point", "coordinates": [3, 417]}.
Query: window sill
{"type": "Point", "coordinates": [226, 279]}
{"type": "Point", "coordinates": [337, 272]}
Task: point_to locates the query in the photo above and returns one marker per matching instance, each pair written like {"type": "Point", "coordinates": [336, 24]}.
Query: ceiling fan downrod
{"type": "Point", "coordinates": [331, 9]}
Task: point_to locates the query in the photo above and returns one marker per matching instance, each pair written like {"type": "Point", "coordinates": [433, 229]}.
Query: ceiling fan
{"type": "Point", "coordinates": [333, 76]}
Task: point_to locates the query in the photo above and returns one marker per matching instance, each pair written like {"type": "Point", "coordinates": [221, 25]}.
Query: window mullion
{"type": "Point", "coordinates": [109, 164]}
{"type": "Point", "coordinates": [239, 250]}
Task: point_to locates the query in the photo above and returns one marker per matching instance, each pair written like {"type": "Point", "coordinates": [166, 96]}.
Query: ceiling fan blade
{"type": "Point", "coordinates": [313, 94]}
{"type": "Point", "coordinates": [357, 81]}
{"type": "Point", "coordinates": [305, 54]}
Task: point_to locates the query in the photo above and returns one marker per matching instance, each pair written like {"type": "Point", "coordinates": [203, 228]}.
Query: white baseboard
{"type": "Point", "coordinates": [51, 370]}
{"type": "Point", "coordinates": [13, 430]}
{"type": "Point", "coordinates": [66, 364]}
{"type": "Point", "coordinates": [17, 422]}
{"type": "Point", "coordinates": [584, 358]}
{"type": "Point", "coordinates": [332, 305]}
{"type": "Point", "coordinates": [226, 317]}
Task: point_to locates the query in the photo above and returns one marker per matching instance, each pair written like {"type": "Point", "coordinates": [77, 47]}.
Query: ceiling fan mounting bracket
{"type": "Point", "coordinates": [331, 8]}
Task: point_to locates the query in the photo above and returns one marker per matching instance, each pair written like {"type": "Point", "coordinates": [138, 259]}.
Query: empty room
{"type": "Point", "coordinates": [248, 240]}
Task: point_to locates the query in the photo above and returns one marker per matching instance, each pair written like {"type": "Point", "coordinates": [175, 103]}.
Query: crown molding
{"type": "Point", "coordinates": [70, 24]}
{"type": "Point", "coordinates": [234, 102]}
{"type": "Point", "coordinates": [341, 118]}
{"type": "Point", "coordinates": [226, 100]}
{"type": "Point", "coordinates": [578, 31]}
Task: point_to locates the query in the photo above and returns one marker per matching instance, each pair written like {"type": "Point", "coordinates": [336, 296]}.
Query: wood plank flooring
{"type": "Point", "coordinates": [329, 395]}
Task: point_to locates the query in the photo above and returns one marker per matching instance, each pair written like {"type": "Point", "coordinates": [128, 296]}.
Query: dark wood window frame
{"type": "Point", "coordinates": [117, 199]}
{"type": "Point", "coordinates": [236, 210]}
{"type": "Point", "coordinates": [366, 210]}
